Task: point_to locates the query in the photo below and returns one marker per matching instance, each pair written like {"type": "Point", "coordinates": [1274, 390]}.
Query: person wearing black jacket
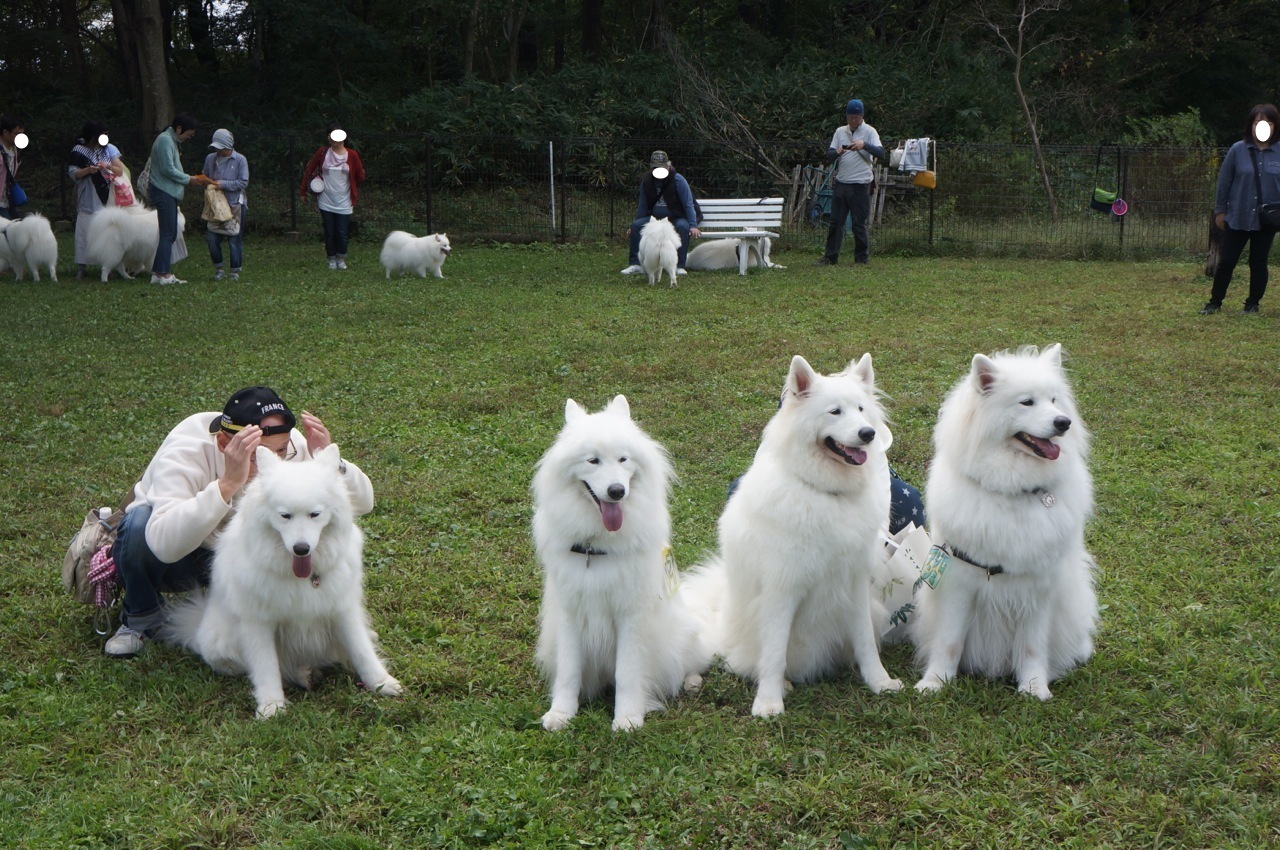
{"type": "Point", "coordinates": [663, 194]}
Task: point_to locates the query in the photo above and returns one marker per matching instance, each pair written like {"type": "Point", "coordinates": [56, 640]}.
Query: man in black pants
{"type": "Point", "coordinates": [852, 149]}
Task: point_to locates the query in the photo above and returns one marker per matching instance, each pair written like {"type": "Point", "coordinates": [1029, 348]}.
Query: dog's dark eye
{"type": "Point", "coordinates": [860, 408]}
{"type": "Point", "coordinates": [1028, 402]}
{"type": "Point", "coordinates": [593, 460]}
{"type": "Point", "coordinates": [622, 459]}
{"type": "Point", "coordinates": [286, 516]}
{"type": "Point", "coordinates": [835, 411]}
{"type": "Point", "coordinates": [315, 514]}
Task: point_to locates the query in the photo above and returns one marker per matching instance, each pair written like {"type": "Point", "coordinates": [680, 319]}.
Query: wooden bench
{"type": "Point", "coordinates": [748, 219]}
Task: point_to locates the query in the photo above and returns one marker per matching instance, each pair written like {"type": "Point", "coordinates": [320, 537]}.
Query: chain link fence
{"type": "Point", "coordinates": [989, 199]}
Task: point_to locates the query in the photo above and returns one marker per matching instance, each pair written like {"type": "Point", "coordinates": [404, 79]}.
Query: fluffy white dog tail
{"type": "Point", "coordinates": [183, 622]}
{"type": "Point", "coordinates": [702, 590]}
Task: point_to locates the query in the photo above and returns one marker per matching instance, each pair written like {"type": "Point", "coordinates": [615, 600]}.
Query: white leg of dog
{"type": "Point", "coordinates": [947, 641]}
{"type": "Point", "coordinates": [262, 663]}
{"type": "Point", "coordinates": [355, 639]}
{"type": "Point", "coordinates": [1033, 664]}
{"type": "Point", "coordinates": [863, 639]}
{"type": "Point", "coordinates": [771, 668]}
{"type": "Point", "coordinates": [568, 682]}
{"type": "Point", "coordinates": [628, 680]}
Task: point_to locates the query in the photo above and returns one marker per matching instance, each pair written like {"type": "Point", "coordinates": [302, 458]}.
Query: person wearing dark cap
{"type": "Point", "coordinates": [852, 150]}
{"type": "Point", "coordinates": [229, 171]}
{"type": "Point", "coordinates": [190, 489]}
{"type": "Point", "coordinates": [663, 194]}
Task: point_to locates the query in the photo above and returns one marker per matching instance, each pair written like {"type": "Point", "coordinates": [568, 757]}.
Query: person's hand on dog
{"type": "Point", "coordinates": [238, 461]}
{"type": "Point", "coordinates": [317, 435]}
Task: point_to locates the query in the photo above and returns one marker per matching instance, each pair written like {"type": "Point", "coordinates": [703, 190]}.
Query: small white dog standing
{"type": "Point", "coordinates": [28, 242]}
{"type": "Point", "coordinates": [1008, 589]}
{"type": "Point", "coordinates": [790, 597]}
{"type": "Point", "coordinates": [124, 239]}
{"type": "Point", "coordinates": [600, 525]}
{"type": "Point", "coordinates": [659, 250]}
{"type": "Point", "coordinates": [286, 590]}
{"type": "Point", "coordinates": [403, 252]}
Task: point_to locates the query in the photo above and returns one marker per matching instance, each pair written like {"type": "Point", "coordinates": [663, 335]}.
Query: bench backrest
{"type": "Point", "coordinates": [740, 213]}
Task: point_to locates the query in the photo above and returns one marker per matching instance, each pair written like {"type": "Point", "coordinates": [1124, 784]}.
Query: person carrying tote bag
{"type": "Point", "coordinates": [1248, 181]}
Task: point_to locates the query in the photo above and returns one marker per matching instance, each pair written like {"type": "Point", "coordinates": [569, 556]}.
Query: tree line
{"type": "Point", "coordinates": [1180, 72]}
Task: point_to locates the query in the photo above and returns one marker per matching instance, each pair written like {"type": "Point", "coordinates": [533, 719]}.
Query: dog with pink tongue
{"type": "Point", "coordinates": [610, 617]}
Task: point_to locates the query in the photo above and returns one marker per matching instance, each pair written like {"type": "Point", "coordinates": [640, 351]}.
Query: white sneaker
{"type": "Point", "coordinates": [220, 274]}
{"type": "Point", "coordinates": [125, 643]}
{"type": "Point", "coordinates": [681, 271]}
{"type": "Point", "coordinates": [333, 264]}
{"type": "Point", "coordinates": [633, 270]}
{"type": "Point", "coordinates": [342, 264]}
{"type": "Point", "coordinates": [235, 275]}
{"type": "Point", "coordinates": [166, 279]}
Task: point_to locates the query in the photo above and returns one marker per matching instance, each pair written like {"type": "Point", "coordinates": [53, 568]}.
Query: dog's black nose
{"type": "Point", "coordinates": [617, 491]}
{"type": "Point", "coordinates": [1062, 423]}
{"type": "Point", "coordinates": [867, 434]}
{"type": "Point", "coordinates": [301, 549]}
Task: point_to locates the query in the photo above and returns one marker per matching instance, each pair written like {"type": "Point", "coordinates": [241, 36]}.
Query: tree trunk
{"type": "Point", "coordinates": [592, 29]}
{"type": "Point", "coordinates": [139, 27]}
{"type": "Point", "coordinates": [69, 22]}
{"type": "Point", "coordinates": [469, 37]}
{"type": "Point", "coordinates": [201, 37]}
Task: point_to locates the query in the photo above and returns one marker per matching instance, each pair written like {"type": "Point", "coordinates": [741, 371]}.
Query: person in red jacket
{"type": "Point", "coordinates": [333, 176]}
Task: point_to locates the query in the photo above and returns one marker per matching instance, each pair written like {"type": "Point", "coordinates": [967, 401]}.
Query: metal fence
{"type": "Point", "coordinates": [989, 199]}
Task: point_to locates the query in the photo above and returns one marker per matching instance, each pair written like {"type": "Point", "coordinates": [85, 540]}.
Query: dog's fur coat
{"type": "Point", "coordinates": [659, 250]}
{"type": "Point", "coordinates": [789, 599]}
{"type": "Point", "coordinates": [403, 252]}
{"type": "Point", "coordinates": [600, 525]}
{"type": "Point", "coordinates": [1009, 491]}
{"type": "Point", "coordinates": [286, 592]}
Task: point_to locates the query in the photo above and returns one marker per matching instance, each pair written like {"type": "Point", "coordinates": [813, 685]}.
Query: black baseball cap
{"type": "Point", "coordinates": [248, 407]}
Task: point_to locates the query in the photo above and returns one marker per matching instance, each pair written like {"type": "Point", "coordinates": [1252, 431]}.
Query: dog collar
{"type": "Point", "coordinates": [588, 549]}
{"type": "Point", "coordinates": [964, 558]}
{"type": "Point", "coordinates": [1046, 498]}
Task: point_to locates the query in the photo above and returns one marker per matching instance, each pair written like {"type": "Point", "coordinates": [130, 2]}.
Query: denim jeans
{"type": "Point", "coordinates": [144, 575]}
{"type": "Point", "coordinates": [167, 220]}
{"type": "Point", "coordinates": [1233, 242]}
{"type": "Point", "coordinates": [682, 227]}
{"type": "Point", "coordinates": [849, 199]}
{"type": "Point", "coordinates": [337, 228]}
{"type": "Point", "coordinates": [235, 245]}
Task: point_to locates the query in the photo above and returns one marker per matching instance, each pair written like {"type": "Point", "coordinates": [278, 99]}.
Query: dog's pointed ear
{"type": "Point", "coordinates": [1053, 354]}
{"type": "Point", "coordinates": [861, 369]}
{"type": "Point", "coordinates": [329, 455]}
{"type": "Point", "coordinates": [573, 411]}
{"type": "Point", "coordinates": [265, 458]}
{"type": "Point", "coordinates": [801, 376]}
{"type": "Point", "coordinates": [983, 370]}
{"type": "Point", "coordinates": [620, 405]}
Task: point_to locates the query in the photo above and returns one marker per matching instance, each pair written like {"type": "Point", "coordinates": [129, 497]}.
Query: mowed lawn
{"type": "Point", "coordinates": [447, 393]}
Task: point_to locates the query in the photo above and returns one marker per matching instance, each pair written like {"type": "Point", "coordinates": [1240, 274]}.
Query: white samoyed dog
{"type": "Point", "coordinates": [28, 243]}
{"type": "Point", "coordinates": [403, 252]}
{"type": "Point", "coordinates": [124, 239]}
{"type": "Point", "coordinates": [286, 590]}
{"type": "Point", "coordinates": [1011, 591]}
{"type": "Point", "coordinates": [790, 596]}
{"type": "Point", "coordinates": [659, 250]}
{"type": "Point", "coordinates": [600, 526]}
{"type": "Point", "coordinates": [732, 253]}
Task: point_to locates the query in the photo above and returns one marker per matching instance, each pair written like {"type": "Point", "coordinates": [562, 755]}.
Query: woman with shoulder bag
{"type": "Point", "coordinates": [94, 165]}
{"type": "Point", "coordinates": [336, 172]}
{"type": "Point", "coordinates": [230, 172]}
{"type": "Point", "coordinates": [1248, 180]}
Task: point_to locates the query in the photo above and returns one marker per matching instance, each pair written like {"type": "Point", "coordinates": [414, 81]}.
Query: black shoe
{"type": "Point", "coordinates": [1250, 308]}
{"type": "Point", "coordinates": [825, 261]}
{"type": "Point", "coordinates": [1210, 309]}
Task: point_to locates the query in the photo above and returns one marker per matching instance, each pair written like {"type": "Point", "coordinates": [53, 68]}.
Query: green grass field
{"type": "Point", "coordinates": [447, 392]}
